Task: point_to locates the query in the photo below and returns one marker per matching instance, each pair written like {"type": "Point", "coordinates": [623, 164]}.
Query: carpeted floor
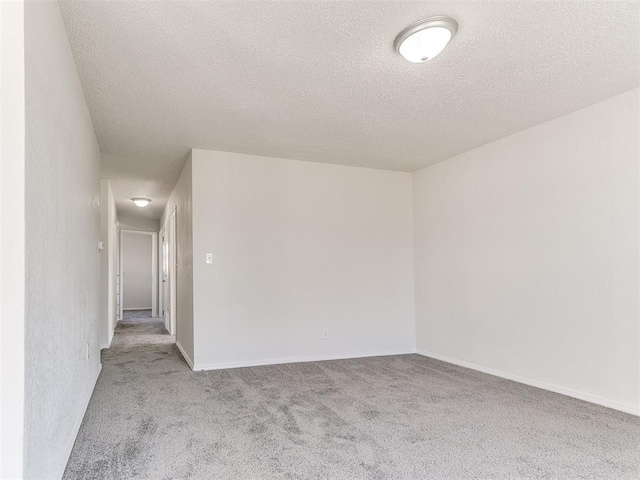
{"type": "Point", "coordinates": [138, 327]}
{"type": "Point", "coordinates": [399, 417]}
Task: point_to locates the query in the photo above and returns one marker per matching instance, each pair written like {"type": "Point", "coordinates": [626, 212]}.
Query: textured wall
{"type": "Point", "coordinates": [12, 238]}
{"type": "Point", "coordinates": [136, 271]}
{"type": "Point", "coordinates": [527, 254]}
{"type": "Point", "coordinates": [181, 200]}
{"type": "Point", "coordinates": [299, 248]}
{"type": "Point", "coordinates": [62, 231]}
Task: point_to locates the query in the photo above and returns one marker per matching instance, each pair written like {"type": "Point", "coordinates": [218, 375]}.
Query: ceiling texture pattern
{"type": "Point", "coordinates": [320, 81]}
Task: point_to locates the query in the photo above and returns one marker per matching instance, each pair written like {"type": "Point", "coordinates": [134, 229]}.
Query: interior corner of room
{"type": "Point", "coordinates": [328, 256]}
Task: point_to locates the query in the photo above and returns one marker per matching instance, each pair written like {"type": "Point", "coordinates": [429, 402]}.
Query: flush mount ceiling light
{"type": "Point", "coordinates": [141, 202]}
{"type": "Point", "coordinates": [423, 40]}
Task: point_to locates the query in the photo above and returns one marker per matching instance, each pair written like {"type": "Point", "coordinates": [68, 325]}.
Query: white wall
{"type": "Point", "coordinates": [299, 248]}
{"type": "Point", "coordinates": [136, 271]}
{"type": "Point", "coordinates": [62, 232]}
{"type": "Point", "coordinates": [181, 201]}
{"type": "Point", "coordinates": [12, 238]}
{"type": "Point", "coordinates": [527, 255]}
{"type": "Point", "coordinates": [128, 222]}
{"type": "Point", "coordinates": [108, 263]}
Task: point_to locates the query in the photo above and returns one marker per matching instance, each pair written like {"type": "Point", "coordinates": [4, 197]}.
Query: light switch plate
{"type": "Point", "coordinates": [208, 259]}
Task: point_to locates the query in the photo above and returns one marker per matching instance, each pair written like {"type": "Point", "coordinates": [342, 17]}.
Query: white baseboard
{"type": "Point", "coordinates": [184, 355]}
{"type": "Point", "coordinates": [312, 358]}
{"type": "Point", "coordinates": [108, 345]}
{"type": "Point", "coordinates": [587, 397]}
{"type": "Point", "coordinates": [142, 308]}
{"type": "Point", "coordinates": [77, 423]}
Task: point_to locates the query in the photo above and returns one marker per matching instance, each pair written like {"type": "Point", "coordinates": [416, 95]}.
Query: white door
{"type": "Point", "coordinates": [173, 272]}
{"type": "Point", "coordinates": [166, 307]}
{"type": "Point", "coordinates": [169, 274]}
{"type": "Point", "coordinates": [166, 281]}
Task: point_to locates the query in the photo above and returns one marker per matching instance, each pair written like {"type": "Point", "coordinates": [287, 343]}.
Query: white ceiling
{"type": "Point", "coordinates": [320, 81]}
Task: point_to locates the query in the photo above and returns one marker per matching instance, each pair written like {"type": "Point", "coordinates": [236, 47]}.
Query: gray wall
{"type": "Point", "coordinates": [181, 200]}
{"type": "Point", "coordinates": [136, 271]}
{"type": "Point", "coordinates": [62, 260]}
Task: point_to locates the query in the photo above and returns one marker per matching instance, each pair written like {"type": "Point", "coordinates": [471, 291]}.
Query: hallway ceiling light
{"type": "Point", "coordinates": [141, 202]}
{"type": "Point", "coordinates": [423, 40]}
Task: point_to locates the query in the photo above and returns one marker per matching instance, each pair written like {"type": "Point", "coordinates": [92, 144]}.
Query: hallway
{"type": "Point", "coordinates": [139, 327]}
{"type": "Point", "coordinates": [138, 379]}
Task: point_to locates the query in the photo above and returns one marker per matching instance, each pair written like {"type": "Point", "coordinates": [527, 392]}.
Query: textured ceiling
{"type": "Point", "coordinates": [320, 81]}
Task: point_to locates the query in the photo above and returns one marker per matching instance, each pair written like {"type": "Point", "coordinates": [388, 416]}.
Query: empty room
{"type": "Point", "coordinates": [320, 239]}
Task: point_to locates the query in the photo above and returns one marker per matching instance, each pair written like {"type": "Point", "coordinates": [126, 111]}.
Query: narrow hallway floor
{"type": "Point", "coordinates": [138, 327]}
{"type": "Point", "coordinates": [394, 417]}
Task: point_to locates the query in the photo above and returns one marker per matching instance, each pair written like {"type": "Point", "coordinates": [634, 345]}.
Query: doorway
{"type": "Point", "coordinates": [168, 290]}
{"type": "Point", "coordinates": [138, 272]}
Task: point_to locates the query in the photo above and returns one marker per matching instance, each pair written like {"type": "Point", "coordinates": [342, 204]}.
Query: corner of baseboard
{"type": "Point", "coordinates": [185, 356]}
{"type": "Point", "coordinates": [108, 344]}
{"type": "Point", "coordinates": [569, 392]}
{"type": "Point", "coordinates": [78, 422]}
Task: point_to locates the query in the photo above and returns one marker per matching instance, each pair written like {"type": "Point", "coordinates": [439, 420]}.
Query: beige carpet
{"type": "Point", "coordinates": [399, 417]}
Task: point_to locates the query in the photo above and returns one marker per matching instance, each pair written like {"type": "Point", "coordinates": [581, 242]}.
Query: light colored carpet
{"type": "Point", "coordinates": [398, 417]}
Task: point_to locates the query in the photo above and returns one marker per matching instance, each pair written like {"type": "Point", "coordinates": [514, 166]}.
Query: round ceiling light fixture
{"type": "Point", "coordinates": [424, 40]}
{"type": "Point", "coordinates": [141, 202]}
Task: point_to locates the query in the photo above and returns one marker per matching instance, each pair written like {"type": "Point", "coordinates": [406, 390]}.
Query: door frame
{"type": "Point", "coordinates": [169, 233]}
{"type": "Point", "coordinates": [154, 269]}
{"type": "Point", "coordinates": [161, 298]}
